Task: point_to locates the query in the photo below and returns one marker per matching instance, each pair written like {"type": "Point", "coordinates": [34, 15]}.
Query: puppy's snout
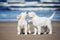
{"type": "Point", "coordinates": [26, 12]}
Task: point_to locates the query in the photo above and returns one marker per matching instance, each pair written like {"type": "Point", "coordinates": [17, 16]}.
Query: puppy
{"type": "Point", "coordinates": [22, 23]}
{"type": "Point", "coordinates": [38, 22]}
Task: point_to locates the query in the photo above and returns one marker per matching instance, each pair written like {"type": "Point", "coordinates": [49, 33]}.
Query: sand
{"type": "Point", "coordinates": [8, 31]}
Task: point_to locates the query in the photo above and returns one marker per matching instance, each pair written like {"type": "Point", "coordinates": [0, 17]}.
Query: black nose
{"type": "Point", "coordinates": [26, 12]}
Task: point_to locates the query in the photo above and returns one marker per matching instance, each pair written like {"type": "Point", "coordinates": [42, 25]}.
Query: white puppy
{"type": "Point", "coordinates": [22, 23]}
{"type": "Point", "coordinates": [38, 22]}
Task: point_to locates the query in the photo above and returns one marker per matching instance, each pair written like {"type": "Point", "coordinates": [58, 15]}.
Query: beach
{"type": "Point", "coordinates": [8, 31]}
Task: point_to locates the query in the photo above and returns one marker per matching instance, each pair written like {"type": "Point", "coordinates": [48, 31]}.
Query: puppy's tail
{"type": "Point", "coordinates": [52, 16]}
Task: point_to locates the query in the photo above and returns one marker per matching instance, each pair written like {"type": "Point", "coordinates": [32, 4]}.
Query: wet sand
{"type": "Point", "coordinates": [8, 31]}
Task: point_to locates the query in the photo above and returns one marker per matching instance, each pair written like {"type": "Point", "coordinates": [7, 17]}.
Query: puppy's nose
{"type": "Point", "coordinates": [26, 12]}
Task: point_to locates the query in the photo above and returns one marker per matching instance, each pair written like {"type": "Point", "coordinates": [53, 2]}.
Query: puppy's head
{"type": "Point", "coordinates": [23, 14]}
{"type": "Point", "coordinates": [18, 16]}
{"type": "Point", "coordinates": [31, 14]}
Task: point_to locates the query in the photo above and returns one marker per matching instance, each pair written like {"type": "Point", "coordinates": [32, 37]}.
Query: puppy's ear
{"type": "Point", "coordinates": [18, 16]}
{"type": "Point", "coordinates": [33, 15]}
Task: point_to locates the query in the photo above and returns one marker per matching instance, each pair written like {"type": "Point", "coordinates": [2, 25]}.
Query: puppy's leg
{"type": "Point", "coordinates": [35, 31]}
{"type": "Point", "coordinates": [29, 29]}
{"type": "Point", "coordinates": [45, 30]}
{"type": "Point", "coordinates": [25, 29]}
{"type": "Point", "coordinates": [50, 28]}
{"type": "Point", "coordinates": [39, 30]}
{"type": "Point", "coordinates": [18, 29]}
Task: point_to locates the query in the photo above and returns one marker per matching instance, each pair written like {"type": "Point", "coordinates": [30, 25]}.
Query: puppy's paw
{"type": "Point", "coordinates": [18, 33]}
{"type": "Point", "coordinates": [25, 34]}
{"type": "Point", "coordinates": [29, 32]}
{"type": "Point", "coordinates": [39, 33]}
{"type": "Point", "coordinates": [50, 33]}
{"type": "Point", "coordinates": [45, 33]}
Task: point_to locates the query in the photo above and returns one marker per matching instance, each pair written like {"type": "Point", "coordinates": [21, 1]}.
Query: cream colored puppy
{"type": "Point", "coordinates": [22, 23]}
{"type": "Point", "coordinates": [38, 22]}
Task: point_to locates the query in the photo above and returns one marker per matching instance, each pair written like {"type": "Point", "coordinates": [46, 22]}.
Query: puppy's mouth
{"type": "Point", "coordinates": [31, 17]}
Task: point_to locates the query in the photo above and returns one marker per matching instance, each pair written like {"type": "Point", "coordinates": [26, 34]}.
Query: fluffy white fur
{"type": "Point", "coordinates": [38, 22]}
{"type": "Point", "coordinates": [22, 23]}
